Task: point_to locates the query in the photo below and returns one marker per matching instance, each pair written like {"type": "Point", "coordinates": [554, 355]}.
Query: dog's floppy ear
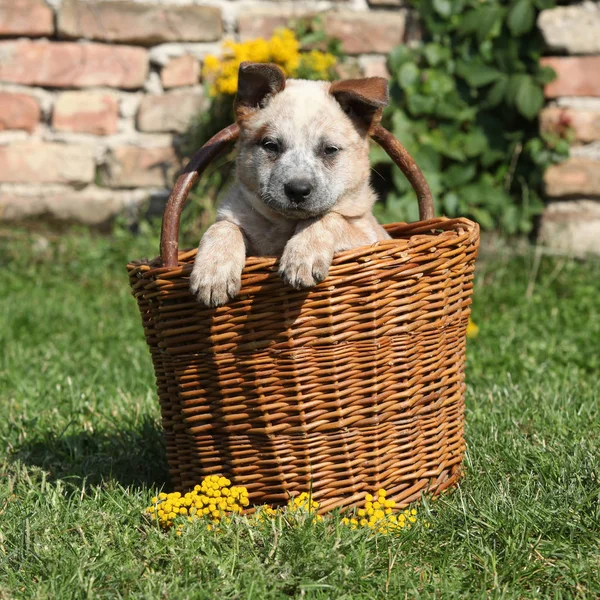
{"type": "Point", "coordinates": [256, 83]}
{"type": "Point", "coordinates": [363, 100]}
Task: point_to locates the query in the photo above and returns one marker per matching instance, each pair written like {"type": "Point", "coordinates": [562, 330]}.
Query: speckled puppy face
{"type": "Point", "coordinates": [301, 153]}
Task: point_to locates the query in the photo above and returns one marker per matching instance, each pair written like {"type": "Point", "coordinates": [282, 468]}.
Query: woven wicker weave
{"type": "Point", "coordinates": [352, 386]}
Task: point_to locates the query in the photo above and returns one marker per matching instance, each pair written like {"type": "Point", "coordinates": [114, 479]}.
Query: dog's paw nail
{"type": "Point", "coordinates": [213, 290]}
{"type": "Point", "coordinates": [320, 273]}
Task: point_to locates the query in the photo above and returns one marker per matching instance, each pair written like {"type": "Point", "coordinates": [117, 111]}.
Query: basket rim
{"type": "Point", "coordinates": [430, 228]}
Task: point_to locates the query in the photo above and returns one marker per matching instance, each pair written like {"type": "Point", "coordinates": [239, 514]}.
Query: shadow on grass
{"type": "Point", "coordinates": [131, 457]}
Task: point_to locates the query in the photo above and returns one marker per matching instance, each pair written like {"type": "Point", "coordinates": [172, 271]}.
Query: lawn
{"type": "Point", "coordinates": [81, 452]}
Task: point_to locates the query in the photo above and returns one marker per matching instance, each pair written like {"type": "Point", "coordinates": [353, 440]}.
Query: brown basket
{"type": "Point", "coordinates": [352, 386]}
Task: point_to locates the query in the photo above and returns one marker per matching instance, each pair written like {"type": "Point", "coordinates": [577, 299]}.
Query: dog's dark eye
{"type": "Point", "coordinates": [270, 145]}
{"type": "Point", "coordinates": [330, 150]}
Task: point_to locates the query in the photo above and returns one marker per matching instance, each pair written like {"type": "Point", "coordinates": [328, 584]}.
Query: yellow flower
{"type": "Point", "coordinates": [282, 49]}
{"type": "Point", "coordinates": [472, 329]}
{"type": "Point", "coordinates": [318, 63]}
{"type": "Point", "coordinates": [211, 65]}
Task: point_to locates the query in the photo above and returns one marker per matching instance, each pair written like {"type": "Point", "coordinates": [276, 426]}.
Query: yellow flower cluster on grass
{"type": "Point", "coordinates": [377, 514]}
{"type": "Point", "coordinates": [213, 500]}
{"type": "Point", "coordinates": [282, 49]}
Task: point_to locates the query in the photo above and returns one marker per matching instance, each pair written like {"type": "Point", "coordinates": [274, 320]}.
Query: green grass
{"type": "Point", "coordinates": [82, 451]}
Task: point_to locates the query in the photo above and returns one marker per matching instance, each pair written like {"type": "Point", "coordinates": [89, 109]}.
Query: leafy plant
{"type": "Point", "coordinates": [465, 105]}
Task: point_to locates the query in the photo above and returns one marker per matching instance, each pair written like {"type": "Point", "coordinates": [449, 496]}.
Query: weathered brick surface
{"type": "Point", "coordinates": [67, 64]}
{"type": "Point", "coordinates": [572, 226]}
{"type": "Point", "coordinates": [387, 2]}
{"type": "Point", "coordinates": [261, 22]}
{"type": "Point", "coordinates": [360, 32]}
{"type": "Point", "coordinates": [375, 66]}
{"type": "Point", "coordinates": [576, 76]}
{"type": "Point", "coordinates": [171, 112]}
{"type": "Point", "coordinates": [136, 23]}
{"type": "Point", "coordinates": [44, 162]}
{"type": "Point", "coordinates": [574, 177]}
{"type": "Point", "coordinates": [377, 32]}
{"type": "Point", "coordinates": [33, 18]}
{"type": "Point", "coordinates": [132, 167]}
{"type": "Point", "coordinates": [180, 71]}
{"type": "Point", "coordinates": [86, 112]}
{"type": "Point", "coordinates": [18, 111]}
{"type": "Point", "coordinates": [585, 124]}
{"type": "Point", "coordinates": [91, 205]}
{"type": "Point", "coordinates": [572, 29]}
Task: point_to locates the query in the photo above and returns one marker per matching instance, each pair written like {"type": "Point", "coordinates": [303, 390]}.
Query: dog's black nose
{"type": "Point", "coordinates": [298, 190]}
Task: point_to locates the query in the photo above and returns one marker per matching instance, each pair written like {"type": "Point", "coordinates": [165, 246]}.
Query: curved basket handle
{"type": "Point", "coordinates": [169, 235]}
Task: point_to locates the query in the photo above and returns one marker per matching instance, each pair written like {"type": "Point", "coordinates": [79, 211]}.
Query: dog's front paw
{"type": "Point", "coordinates": [304, 269]}
{"type": "Point", "coordinates": [214, 283]}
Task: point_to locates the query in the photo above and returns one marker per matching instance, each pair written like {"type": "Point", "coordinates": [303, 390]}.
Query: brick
{"type": "Point", "coordinates": [374, 66]}
{"type": "Point", "coordinates": [86, 112]}
{"type": "Point", "coordinates": [32, 18]}
{"type": "Point", "coordinates": [576, 76]}
{"type": "Point", "coordinates": [574, 177]}
{"type": "Point", "coordinates": [262, 23]}
{"type": "Point", "coordinates": [18, 111]}
{"type": "Point", "coordinates": [66, 64]}
{"type": "Point", "coordinates": [387, 2]}
{"type": "Point", "coordinates": [45, 162]}
{"type": "Point", "coordinates": [348, 69]}
{"type": "Point", "coordinates": [585, 124]}
{"type": "Point", "coordinates": [572, 226]}
{"type": "Point", "coordinates": [180, 71]}
{"type": "Point", "coordinates": [132, 167]}
{"type": "Point", "coordinates": [171, 112]}
{"type": "Point", "coordinates": [136, 23]}
{"type": "Point", "coordinates": [367, 32]}
{"type": "Point", "coordinates": [360, 32]}
{"type": "Point", "coordinates": [572, 29]}
{"type": "Point", "coordinates": [91, 206]}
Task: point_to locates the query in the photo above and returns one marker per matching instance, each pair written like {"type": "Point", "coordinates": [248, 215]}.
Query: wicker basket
{"type": "Point", "coordinates": [352, 386]}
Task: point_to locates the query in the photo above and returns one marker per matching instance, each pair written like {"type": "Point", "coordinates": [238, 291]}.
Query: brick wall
{"type": "Point", "coordinates": [571, 221]}
{"type": "Point", "coordinates": [94, 95]}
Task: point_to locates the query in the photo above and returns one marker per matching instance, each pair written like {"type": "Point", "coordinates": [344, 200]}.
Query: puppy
{"type": "Point", "coordinates": [302, 186]}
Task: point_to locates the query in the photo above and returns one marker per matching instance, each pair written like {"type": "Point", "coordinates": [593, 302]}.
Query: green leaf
{"type": "Point", "coordinates": [475, 142]}
{"type": "Point", "coordinates": [457, 175]}
{"type": "Point", "coordinates": [477, 75]}
{"type": "Point", "coordinates": [437, 83]}
{"type": "Point", "coordinates": [436, 53]}
{"type": "Point", "coordinates": [510, 219]}
{"type": "Point", "coordinates": [443, 7]}
{"type": "Point", "coordinates": [521, 17]}
{"type": "Point", "coordinates": [483, 217]}
{"type": "Point", "coordinates": [399, 180]}
{"type": "Point", "coordinates": [529, 99]}
{"type": "Point", "coordinates": [408, 75]}
{"type": "Point", "coordinates": [450, 204]}
{"type": "Point", "coordinates": [398, 56]}
{"type": "Point", "coordinates": [418, 104]}
{"type": "Point", "coordinates": [481, 21]}
{"type": "Point", "coordinates": [434, 179]}
{"type": "Point", "coordinates": [545, 75]}
{"type": "Point", "coordinates": [378, 156]}
{"type": "Point", "coordinates": [427, 159]}
{"type": "Point", "coordinates": [515, 83]}
{"type": "Point", "coordinates": [497, 92]}
{"type": "Point", "coordinates": [402, 128]}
